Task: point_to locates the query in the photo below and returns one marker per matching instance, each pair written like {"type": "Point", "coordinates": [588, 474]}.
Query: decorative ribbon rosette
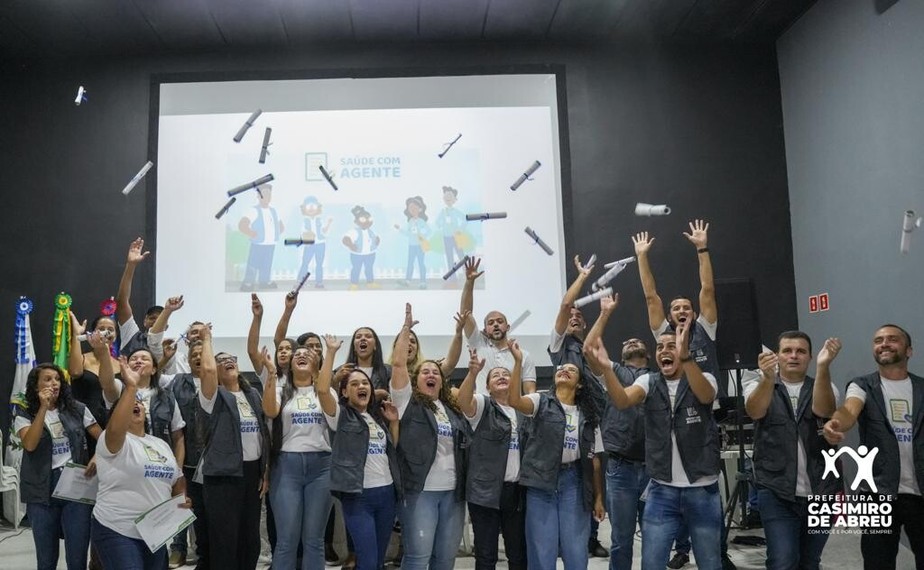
{"type": "Point", "coordinates": [62, 331]}
{"type": "Point", "coordinates": [108, 309]}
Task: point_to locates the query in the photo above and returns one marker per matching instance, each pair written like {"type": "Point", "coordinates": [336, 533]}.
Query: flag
{"type": "Point", "coordinates": [13, 510]}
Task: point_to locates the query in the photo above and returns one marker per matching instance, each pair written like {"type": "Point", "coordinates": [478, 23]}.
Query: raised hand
{"type": "Point", "coordinates": [471, 268]}
{"type": "Point", "coordinates": [46, 397]}
{"type": "Point", "coordinates": [174, 304]}
{"type": "Point", "coordinates": [642, 243]}
{"type": "Point", "coordinates": [389, 411]}
{"type": "Point", "coordinates": [342, 373]}
{"type": "Point", "coordinates": [77, 328]}
{"type": "Point", "coordinates": [169, 348]}
{"type": "Point", "coordinates": [597, 353]}
{"type": "Point", "coordinates": [609, 303]}
{"type": "Point", "coordinates": [99, 342]}
{"type": "Point", "coordinates": [460, 320]}
{"type": "Point", "coordinates": [683, 340]}
{"type": "Point", "coordinates": [256, 307]}
{"type": "Point", "coordinates": [475, 365]}
{"type": "Point", "coordinates": [268, 361]}
{"type": "Point", "coordinates": [829, 351]}
{"type": "Point", "coordinates": [769, 363]}
{"type": "Point", "coordinates": [585, 271]}
{"type": "Point", "coordinates": [291, 300]}
{"type": "Point", "coordinates": [409, 321]}
{"type": "Point", "coordinates": [698, 233]}
{"type": "Point", "coordinates": [135, 255]}
{"type": "Point", "coordinates": [129, 377]}
{"type": "Point", "coordinates": [515, 350]}
{"type": "Point", "coordinates": [332, 342]}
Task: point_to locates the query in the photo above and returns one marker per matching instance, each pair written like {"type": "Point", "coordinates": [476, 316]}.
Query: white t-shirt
{"type": "Point", "coordinates": [305, 426]}
{"type": "Point", "coordinates": [898, 397]}
{"type": "Point", "coordinates": [127, 330]}
{"type": "Point", "coordinates": [377, 472]}
{"type": "Point", "coordinates": [251, 439]}
{"type": "Point", "coordinates": [442, 475]}
{"type": "Point", "coordinates": [677, 472]}
{"type": "Point", "coordinates": [512, 472]}
{"type": "Point", "coordinates": [803, 483]}
{"type": "Point", "coordinates": [60, 444]}
{"type": "Point", "coordinates": [133, 480]}
{"type": "Point", "coordinates": [494, 357]}
{"type": "Point", "coordinates": [570, 450]}
{"type": "Point", "coordinates": [176, 422]}
{"type": "Point", "coordinates": [177, 364]}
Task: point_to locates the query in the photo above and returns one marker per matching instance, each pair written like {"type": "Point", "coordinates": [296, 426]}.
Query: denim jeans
{"type": "Point", "coordinates": [625, 482]}
{"type": "Point", "coordinates": [300, 493]}
{"type": "Point", "coordinates": [558, 522]}
{"type": "Point", "coordinates": [666, 508]}
{"type": "Point", "coordinates": [789, 546]}
{"type": "Point", "coordinates": [369, 517]}
{"type": "Point", "coordinates": [508, 520]}
{"type": "Point", "coordinates": [119, 551]}
{"type": "Point", "coordinates": [682, 539]}
{"type": "Point", "coordinates": [431, 529]}
{"type": "Point", "coordinates": [47, 523]}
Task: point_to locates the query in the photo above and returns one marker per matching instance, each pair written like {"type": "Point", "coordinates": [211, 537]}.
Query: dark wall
{"type": "Point", "coordinates": [699, 129]}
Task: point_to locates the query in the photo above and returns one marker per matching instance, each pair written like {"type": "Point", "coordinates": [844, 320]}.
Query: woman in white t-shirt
{"type": "Point", "coordinates": [432, 455]}
{"type": "Point", "coordinates": [53, 429]}
{"type": "Point", "coordinates": [137, 471]}
{"type": "Point", "coordinates": [300, 465]}
{"type": "Point", "coordinates": [560, 467]}
{"type": "Point", "coordinates": [364, 459]}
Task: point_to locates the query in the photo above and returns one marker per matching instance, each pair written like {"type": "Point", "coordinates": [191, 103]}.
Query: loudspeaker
{"type": "Point", "coordinates": [737, 340]}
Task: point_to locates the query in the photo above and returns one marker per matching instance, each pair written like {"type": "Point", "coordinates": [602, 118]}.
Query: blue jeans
{"type": "Point", "coordinates": [364, 263]}
{"type": "Point", "coordinates": [415, 253]}
{"type": "Point", "coordinates": [316, 251]}
{"type": "Point", "coordinates": [118, 551]}
{"type": "Point", "coordinates": [557, 522]}
{"type": "Point", "coordinates": [47, 523]}
{"type": "Point", "coordinates": [682, 539]}
{"type": "Point", "coordinates": [789, 546]}
{"type": "Point", "coordinates": [625, 482]}
{"type": "Point", "coordinates": [666, 508]}
{"type": "Point", "coordinates": [369, 517]}
{"type": "Point", "coordinates": [300, 493]}
{"type": "Point", "coordinates": [431, 529]}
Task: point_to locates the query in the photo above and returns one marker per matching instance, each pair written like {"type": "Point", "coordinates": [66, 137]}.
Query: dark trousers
{"type": "Point", "coordinates": [232, 506]}
{"type": "Point", "coordinates": [119, 551]}
{"type": "Point", "coordinates": [880, 550]}
{"type": "Point", "coordinates": [195, 492]}
{"type": "Point", "coordinates": [509, 520]}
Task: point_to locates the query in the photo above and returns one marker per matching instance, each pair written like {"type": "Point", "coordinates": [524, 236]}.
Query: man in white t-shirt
{"type": "Point", "coordinates": [789, 409]}
{"type": "Point", "coordinates": [889, 406]}
{"type": "Point", "coordinates": [264, 228]}
{"type": "Point", "coordinates": [681, 448]}
{"type": "Point", "coordinates": [491, 343]}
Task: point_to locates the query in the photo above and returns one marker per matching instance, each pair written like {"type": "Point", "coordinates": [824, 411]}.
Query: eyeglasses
{"type": "Point", "coordinates": [568, 368]}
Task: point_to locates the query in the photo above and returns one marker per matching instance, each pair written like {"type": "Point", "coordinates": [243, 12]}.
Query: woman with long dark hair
{"type": "Point", "coordinates": [300, 464]}
{"type": "Point", "coordinates": [559, 468]}
{"type": "Point", "coordinates": [366, 355]}
{"type": "Point", "coordinates": [84, 367]}
{"type": "Point", "coordinates": [54, 430]}
{"type": "Point", "coordinates": [364, 459]}
{"type": "Point", "coordinates": [432, 454]}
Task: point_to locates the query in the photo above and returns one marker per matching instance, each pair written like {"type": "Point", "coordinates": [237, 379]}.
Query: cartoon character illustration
{"type": "Point", "coordinates": [264, 228]}
{"type": "Point", "coordinates": [317, 230]}
{"type": "Point", "coordinates": [362, 243]}
{"type": "Point", "coordinates": [451, 224]}
{"type": "Point", "coordinates": [417, 232]}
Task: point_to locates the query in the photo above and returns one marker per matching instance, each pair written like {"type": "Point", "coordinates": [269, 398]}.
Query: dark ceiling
{"type": "Point", "coordinates": [74, 28]}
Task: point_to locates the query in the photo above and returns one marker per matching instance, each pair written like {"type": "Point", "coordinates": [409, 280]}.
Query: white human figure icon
{"type": "Point", "coordinates": [864, 458]}
{"type": "Point", "coordinates": [831, 456]}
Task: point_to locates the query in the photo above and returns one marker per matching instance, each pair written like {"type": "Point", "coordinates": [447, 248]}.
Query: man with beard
{"type": "Point", "coordinates": [624, 442]}
{"type": "Point", "coordinates": [491, 343]}
{"type": "Point", "coordinates": [178, 362]}
{"type": "Point", "coordinates": [681, 449]}
{"type": "Point", "coordinates": [889, 406]}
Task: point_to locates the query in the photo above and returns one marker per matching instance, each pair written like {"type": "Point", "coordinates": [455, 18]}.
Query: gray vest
{"type": "Point", "coordinates": [776, 450]}
{"type": "Point", "coordinates": [692, 425]}
{"type": "Point", "coordinates": [35, 471]}
{"type": "Point", "coordinates": [876, 431]}
{"type": "Point", "coordinates": [540, 455]}
{"type": "Point", "coordinates": [624, 430]}
{"type": "Point", "coordinates": [349, 450]}
{"type": "Point", "coordinates": [488, 456]}
{"type": "Point", "coordinates": [162, 414]}
{"type": "Point", "coordinates": [223, 455]}
{"type": "Point", "coordinates": [187, 398]}
{"type": "Point", "coordinates": [417, 446]}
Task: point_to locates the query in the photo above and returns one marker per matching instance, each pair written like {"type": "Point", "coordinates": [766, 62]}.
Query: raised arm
{"type": "Point", "coordinates": [698, 236]}
{"type": "Point", "coordinates": [322, 386]}
{"type": "Point", "coordinates": [399, 372]}
{"type": "Point", "coordinates": [564, 310]}
{"type": "Point", "coordinates": [122, 412]}
{"type": "Point", "coordinates": [208, 369]}
{"type": "Point", "coordinates": [655, 307]}
{"type": "Point", "coordinates": [758, 401]}
{"type": "Point", "coordinates": [156, 334]}
{"type": "Point", "coordinates": [106, 373]}
{"type": "Point", "coordinates": [595, 335]}
{"type": "Point", "coordinates": [448, 364]}
{"type": "Point", "coordinates": [282, 328]}
{"type": "Point", "coordinates": [514, 398]}
{"type": "Point", "coordinates": [823, 401]}
{"type": "Point", "coordinates": [701, 387]}
{"type": "Point", "coordinates": [466, 395]}
{"type": "Point", "coordinates": [32, 435]}
{"type": "Point", "coordinates": [123, 297]}
{"type": "Point", "coordinates": [253, 334]}
{"type": "Point", "coordinates": [75, 357]}
{"type": "Point", "coordinates": [622, 397]}
{"type": "Point", "coordinates": [466, 305]}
